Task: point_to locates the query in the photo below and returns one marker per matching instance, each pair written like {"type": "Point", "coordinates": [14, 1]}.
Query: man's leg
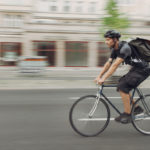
{"type": "Point", "coordinates": [126, 101]}
{"type": "Point", "coordinates": [125, 117]}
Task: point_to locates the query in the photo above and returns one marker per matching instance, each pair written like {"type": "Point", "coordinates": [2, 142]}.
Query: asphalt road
{"type": "Point", "coordinates": [38, 120]}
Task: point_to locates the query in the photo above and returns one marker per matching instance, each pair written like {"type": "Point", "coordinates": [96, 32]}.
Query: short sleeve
{"type": "Point", "coordinates": [125, 52]}
{"type": "Point", "coordinates": [113, 55]}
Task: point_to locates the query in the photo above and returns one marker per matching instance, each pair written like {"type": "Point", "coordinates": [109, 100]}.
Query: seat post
{"type": "Point", "coordinates": [133, 93]}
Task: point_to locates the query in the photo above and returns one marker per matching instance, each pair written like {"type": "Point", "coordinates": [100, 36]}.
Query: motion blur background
{"type": "Point", "coordinates": [66, 32]}
{"type": "Point", "coordinates": [50, 53]}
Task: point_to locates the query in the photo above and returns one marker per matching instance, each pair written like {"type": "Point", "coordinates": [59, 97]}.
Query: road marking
{"type": "Point", "coordinates": [95, 119]}
{"type": "Point", "coordinates": [104, 119]}
{"type": "Point", "coordinates": [142, 116]}
{"type": "Point", "coordinates": [75, 98]}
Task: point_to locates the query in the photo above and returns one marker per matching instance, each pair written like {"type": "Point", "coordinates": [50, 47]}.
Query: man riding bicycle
{"type": "Point", "coordinates": [122, 53]}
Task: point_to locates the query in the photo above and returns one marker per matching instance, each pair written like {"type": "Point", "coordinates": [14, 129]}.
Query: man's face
{"type": "Point", "coordinates": [109, 42]}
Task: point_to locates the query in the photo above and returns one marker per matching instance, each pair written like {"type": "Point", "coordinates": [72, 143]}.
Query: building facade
{"type": "Point", "coordinates": [67, 32]}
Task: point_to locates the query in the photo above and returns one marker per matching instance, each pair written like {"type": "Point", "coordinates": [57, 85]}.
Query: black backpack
{"type": "Point", "coordinates": [140, 49]}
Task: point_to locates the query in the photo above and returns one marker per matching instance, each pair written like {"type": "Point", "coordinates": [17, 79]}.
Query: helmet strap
{"type": "Point", "coordinates": [115, 41]}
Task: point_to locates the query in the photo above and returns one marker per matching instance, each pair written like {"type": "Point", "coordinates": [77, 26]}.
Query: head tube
{"type": "Point", "coordinates": [100, 89]}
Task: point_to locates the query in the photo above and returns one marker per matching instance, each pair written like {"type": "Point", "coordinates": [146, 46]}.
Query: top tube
{"type": "Point", "coordinates": [101, 87]}
{"type": "Point", "coordinates": [107, 85]}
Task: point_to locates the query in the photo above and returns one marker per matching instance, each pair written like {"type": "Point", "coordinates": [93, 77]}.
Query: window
{"type": "Point", "coordinates": [66, 6]}
{"type": "Point", "coordinates": [7, 20]}
{"type": "Point", "coordinates": [53, 5]}
{"type": "Point", "coordinates": [43, 21]}
{"type": "Point", "coordinates": [147, 23]}
{"type": "Point", "coordinates": [45, 48]}
{"type": "Point", "coordinates": [53, 8]}
{"type": "Point", "coordinates": [76, 53]}
{"type": "Point", "coordinates": [79, 6]}
{"type": "Point", "coordinates": [125, 2]}
{"type": "Point", "coordinates": [18, 20]}
{"type": "Point", "coordinates": [103, 53]}
{"type": "Point", "coordinates": [10, 51]}
{"type": "Point", "coordinates": [13, 20]}
{"type": "Point", "coordinates": [92, 7]}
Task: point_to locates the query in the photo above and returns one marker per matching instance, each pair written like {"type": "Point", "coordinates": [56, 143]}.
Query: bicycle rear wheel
{"type": "Point", "coordinates": [141, 122]}
{"type": "Point", "coordinates": [89, 116]}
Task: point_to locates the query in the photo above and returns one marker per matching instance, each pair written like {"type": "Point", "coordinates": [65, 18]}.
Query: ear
{"type": "Point", "coordinates": [115, 39]}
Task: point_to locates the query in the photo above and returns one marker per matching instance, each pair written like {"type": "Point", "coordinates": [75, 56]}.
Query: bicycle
{"type": "Point", "coordinates": [90, 115]}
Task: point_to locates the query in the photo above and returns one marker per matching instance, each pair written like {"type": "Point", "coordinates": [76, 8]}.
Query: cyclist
{"type": "Point", "coordinates": [121, 53]}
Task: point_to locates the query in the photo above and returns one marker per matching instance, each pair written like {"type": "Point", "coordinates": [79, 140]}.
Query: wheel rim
{"type": "Point", "coordinates": [142, 121]}
{"type": "Point", "coordinates": [87, 120]}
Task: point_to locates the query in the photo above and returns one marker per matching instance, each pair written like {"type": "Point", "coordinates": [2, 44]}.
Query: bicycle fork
{"type": "Point", "coordinates": [94, 106]}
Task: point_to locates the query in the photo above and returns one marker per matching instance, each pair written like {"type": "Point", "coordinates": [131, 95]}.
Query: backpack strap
{"type": "Point", "coordinates": [144, 42]}
{"type": "Point", "coordinates": [134, 54]}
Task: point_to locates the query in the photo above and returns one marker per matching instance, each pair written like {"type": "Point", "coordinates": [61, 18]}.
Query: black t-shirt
{"type": "Point", "coordinates": [124, 51]}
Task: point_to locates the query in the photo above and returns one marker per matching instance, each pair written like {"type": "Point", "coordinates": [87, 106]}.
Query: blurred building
{"type": "Point", "coordinates": [66, 31]}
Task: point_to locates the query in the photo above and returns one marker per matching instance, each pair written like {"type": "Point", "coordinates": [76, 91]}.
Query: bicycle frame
{"type": "Point", "coordinates": [101, 94]}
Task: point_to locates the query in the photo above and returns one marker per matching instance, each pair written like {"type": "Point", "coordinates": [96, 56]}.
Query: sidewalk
{"type": "Point", "coordinates": [11, 78]}
{"type": "Point", "coordinates": [54, 78]}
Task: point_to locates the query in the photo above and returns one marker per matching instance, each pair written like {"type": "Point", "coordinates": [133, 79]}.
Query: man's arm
{"type": "Point", "coordinates": [112, 69]}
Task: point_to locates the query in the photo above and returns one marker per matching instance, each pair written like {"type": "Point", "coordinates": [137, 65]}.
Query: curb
{"type": "Point", "coordinates": [53, 84]}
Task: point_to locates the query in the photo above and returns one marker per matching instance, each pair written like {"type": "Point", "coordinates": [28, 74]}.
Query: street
{"type": "Point", "coordinates": [38, 120]}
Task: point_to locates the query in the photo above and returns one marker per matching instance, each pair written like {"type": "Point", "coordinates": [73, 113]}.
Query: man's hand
{"type": "Point", "coordinates": [97, 79]}
{"type": "Point", "coordinates": [101, 81]}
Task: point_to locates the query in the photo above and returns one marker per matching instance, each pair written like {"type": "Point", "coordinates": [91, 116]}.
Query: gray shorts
{"type": "Point", "coordinates": [132, 79]}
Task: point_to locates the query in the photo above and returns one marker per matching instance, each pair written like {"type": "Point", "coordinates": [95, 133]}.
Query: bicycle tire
{"type": "Point", "coordinates": [141, 122]}
{"type": "Point", "coordinates": [77, 109]}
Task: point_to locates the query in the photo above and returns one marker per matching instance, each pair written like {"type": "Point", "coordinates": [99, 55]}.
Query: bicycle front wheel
{"type": "Point", "coordinates": [141, 121]}
{"type": "Point", "coordinates": [89, 116]}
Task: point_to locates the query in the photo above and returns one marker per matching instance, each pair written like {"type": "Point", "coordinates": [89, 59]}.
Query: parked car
{"type": "Point", "coordinates": [32, 64]}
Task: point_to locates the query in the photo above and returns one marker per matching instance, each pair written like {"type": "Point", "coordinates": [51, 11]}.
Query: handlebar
{"type": "Point", "coordinates": [100, 88]}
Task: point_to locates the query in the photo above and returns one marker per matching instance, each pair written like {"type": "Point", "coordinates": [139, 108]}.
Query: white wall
{"type": "Point", "coordinates": [16, 2]}
{"type": "Point", "coordinates": [43, 6]}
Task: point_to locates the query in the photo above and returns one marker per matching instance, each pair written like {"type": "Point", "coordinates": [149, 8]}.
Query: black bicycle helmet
{"type": "Point", "coordinates": [112, 34]}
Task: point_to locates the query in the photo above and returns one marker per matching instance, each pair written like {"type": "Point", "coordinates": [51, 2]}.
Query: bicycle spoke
{"type": "Point", "coordinates": [89, 116]}
{"type": "Point", "coordinates": [142, 121]}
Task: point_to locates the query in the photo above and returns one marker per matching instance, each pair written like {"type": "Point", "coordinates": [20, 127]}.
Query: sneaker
{"type": "Point", "coordinates": [138, 110]}
{"type": "Point", "coordinates": [117, 119]}
{"type": "Point", "coordinates": [123, 118]}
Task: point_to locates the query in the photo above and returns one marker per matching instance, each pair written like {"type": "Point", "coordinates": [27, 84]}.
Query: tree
{"type": "Point", "coordinates": [114, 19]}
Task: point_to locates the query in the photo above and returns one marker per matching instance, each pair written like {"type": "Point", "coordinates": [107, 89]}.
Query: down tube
{"type": "Point", "coordinates": [111, 103]}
